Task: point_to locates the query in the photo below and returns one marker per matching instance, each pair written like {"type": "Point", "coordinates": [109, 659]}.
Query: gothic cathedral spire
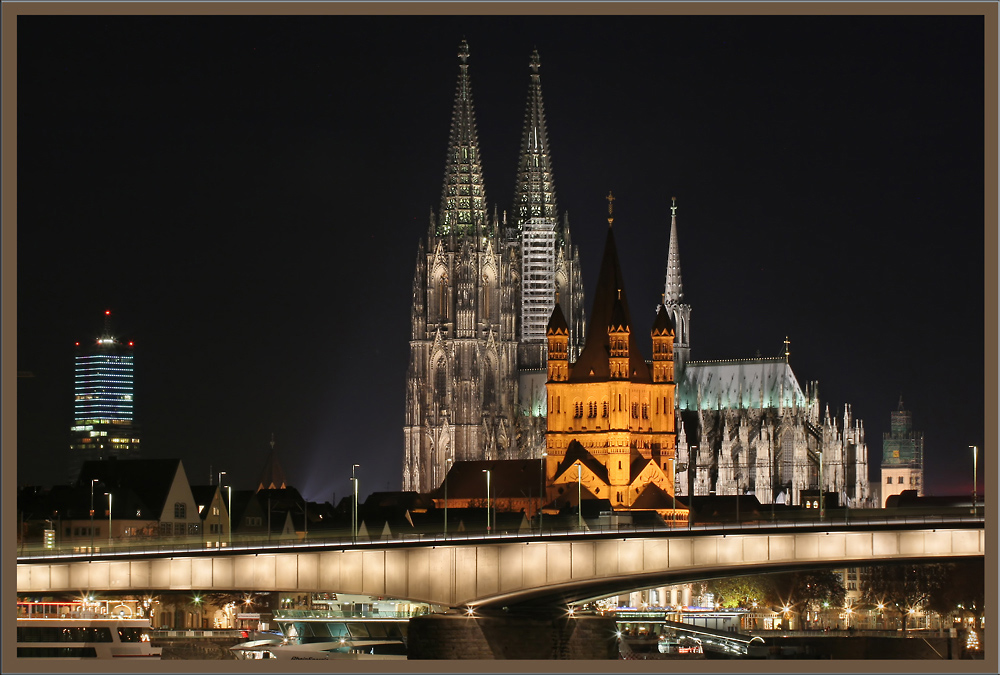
{"type": "Point", "coordinates": [673, 298]}
{"type": "Point", "coordinates": [463, 196]}
{"type": "Point", "coordinates": [535, 189]}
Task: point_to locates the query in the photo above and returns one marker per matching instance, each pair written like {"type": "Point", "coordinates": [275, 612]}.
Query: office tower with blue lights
{"type": "Point", "coordinates": [103, 401]}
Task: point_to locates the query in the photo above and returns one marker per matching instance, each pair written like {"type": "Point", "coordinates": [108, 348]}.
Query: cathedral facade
{"type": "Point", "coordinates": [483, 289]}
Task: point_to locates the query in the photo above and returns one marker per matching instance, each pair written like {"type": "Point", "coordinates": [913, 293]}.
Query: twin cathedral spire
{"type": "Point", "coordinates": [483, 291]}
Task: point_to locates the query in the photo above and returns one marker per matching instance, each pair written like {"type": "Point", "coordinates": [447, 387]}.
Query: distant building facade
{"type": "Point", "coordinates": [475, 382]}
{"type": "Point", "coordinates": [103, 401]}
{"type": "Point", "coordinates": [902, 455]}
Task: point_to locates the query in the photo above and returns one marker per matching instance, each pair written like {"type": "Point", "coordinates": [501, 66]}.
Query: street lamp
{"type": "Point", "coordinates": [92, 481]}
{"type": "Point", "coordinates": [109, 517]}
{"type": "Point", "coordinates": [579, 504]}
{"type": "Point", "coordinates": [447, 465]}
{"type": "Point", "coordinates": [488, 527]}
{"type": "Point", "coordinates": [229, 512]}
{"type": "Point", "coordinates": [821, 488]}
{"type": "Point", "coordinates": [975, 486]}
{"type": "Point", "coordinates": [354, 516]}
{"type": "Point", "coordinates": [541, 491]}
{"type": "Point", "coordinates": [221, 474]}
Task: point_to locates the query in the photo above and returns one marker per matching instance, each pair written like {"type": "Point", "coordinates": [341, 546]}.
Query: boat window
{"type": "Point", "coordinates": [66, 634]}
{"type": "Point", "coordinates": [392, 630]}
{"type": "Point", "coordinates": [338, 629]}
{"type": "Point", "coordinates": [129, 634]}
{"type": "Point", "coordinates": [303, 629]}
{"type": "Point", "coordinates": [56, 653]}
{"type": "Point", "coordinates": [376, 630]}
{"type": "Point", "coordinates": [320, 630]}
{"type": "Point", "coordinates": [357, 630]}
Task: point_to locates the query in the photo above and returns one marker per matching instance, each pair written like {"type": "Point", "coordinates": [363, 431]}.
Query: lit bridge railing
{"type": "Point", "coordinates": [80, 550]}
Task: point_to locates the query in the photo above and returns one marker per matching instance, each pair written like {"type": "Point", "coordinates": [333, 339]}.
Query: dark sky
{"type": "Point", "coordinates": [246, 195]}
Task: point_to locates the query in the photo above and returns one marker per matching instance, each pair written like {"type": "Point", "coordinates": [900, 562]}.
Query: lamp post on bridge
{"type": "Point", "coordinates": [219, 519]}
{"type": "Point", "coordinates": [92, 481]}
{"type": "Point", "coordinates": [975, 485]}
{"type": "Point", "coordinates": [541, 491]}
{"type": "Point", "coordinates": [488, 527]}
{"type": "Point", "coordinates": [447, 466]}
{"type": "Point", "coordinates": [354, 514]}
{"type": "Point", "coordinates": [109, 518]}
{"type": "Point", "coordinates": [579, 503]}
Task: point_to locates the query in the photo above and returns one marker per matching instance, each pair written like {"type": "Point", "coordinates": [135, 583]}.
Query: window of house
{"type": "Point", "coordinates": [166, 529]}
{"type": "Point", "coordinates": [193, 528]}
{"type": "Point", "coordinates": [888, 480]}
{"type": "Point", "coordinates": [900, 480]}
{"type": "Point", "coordinates": [180, 510]}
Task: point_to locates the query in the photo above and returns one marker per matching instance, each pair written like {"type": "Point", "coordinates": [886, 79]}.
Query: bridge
{"type": "Point", "coordinates": [516, 569]}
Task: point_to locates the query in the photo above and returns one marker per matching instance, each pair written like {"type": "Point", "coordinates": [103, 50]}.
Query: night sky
{"type": "Point", "coordinates": [246, 195]}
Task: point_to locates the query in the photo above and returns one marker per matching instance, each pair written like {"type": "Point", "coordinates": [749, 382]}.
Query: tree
{"type": "Point", "coordinates": [741, 591]}
{"type": "Point", "coordinates": [964, 593]}
{"type": "Point", "coordinates": [903, 587]}
{"type": "Point", "coordinates": [807, 590]}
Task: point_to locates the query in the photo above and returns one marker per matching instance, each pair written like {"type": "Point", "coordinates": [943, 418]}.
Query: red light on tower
{"type": "Point", "coordinates": [130, 343]}
{"type": "Point", "coordinates": [77, 344]}
{"type": "Point", "coordinates": [107, 312]}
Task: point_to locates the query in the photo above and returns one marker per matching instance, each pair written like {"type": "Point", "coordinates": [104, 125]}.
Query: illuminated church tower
{"type": "Point", "coordinates": [483, 290]}
{"type": "Point", "coordinates": [611, 414]}
{"type": "Point", "coordinates": [103, 400]}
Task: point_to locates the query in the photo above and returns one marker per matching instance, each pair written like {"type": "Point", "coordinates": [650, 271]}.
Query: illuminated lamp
{"type": "Point", "coordinates": [107, 312]}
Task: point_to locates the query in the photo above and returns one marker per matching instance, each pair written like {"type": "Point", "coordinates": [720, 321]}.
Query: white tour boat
{"type": "Point", "coordinates": [81, 637]}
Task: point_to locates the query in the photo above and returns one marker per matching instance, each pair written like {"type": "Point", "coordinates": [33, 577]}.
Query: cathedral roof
{"type": "Point", "coordinates": [593, 364]}
{"type": "Point", "coordinates": [743, 383]}
{"type": "Point", "coordinates": [655, 497]}
{"type": "Point", "coordinates": [673, 292]}
{"type": "Point", "coordinates": [463, 195]}
{"type": "Point", "coordinates": [272, 477]}
{"type": "Point", "coordinates": [663, 325]}
{"type": "Point", "coordinates": [508, 478]}
{"type": "Point", "coordinates": [535, 191]}
{"type": "Point", "coordinates": [557, 322]}
{"type": "Point", "coordinates": [577, 453]}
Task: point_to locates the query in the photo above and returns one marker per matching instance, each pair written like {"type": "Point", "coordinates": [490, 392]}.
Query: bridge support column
{"type": "Point", "coordinates": [512, 636]}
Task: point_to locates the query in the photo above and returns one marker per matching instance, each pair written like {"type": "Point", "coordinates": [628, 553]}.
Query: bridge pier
{"type": "Point", "coordinates": [512, 636]}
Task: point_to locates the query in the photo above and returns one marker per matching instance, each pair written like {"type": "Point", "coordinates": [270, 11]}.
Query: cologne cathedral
{"type": "Point", "coordinates": [484, 288]}
{"type": "Point", "coordinates": [483, 373]}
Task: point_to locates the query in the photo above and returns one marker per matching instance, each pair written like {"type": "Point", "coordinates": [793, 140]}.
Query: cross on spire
{"type": "Point", "coordinates": [611, 199]}
{"type": "Point", "coordinates": [673, 207]}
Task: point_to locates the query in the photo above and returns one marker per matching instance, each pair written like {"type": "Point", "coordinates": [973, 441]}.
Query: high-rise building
{"type": "Point", "coordinates": [902, 455]}
{"type": "Point", "coordinates": [476, 378]}
{"type": "Point", "coordinates": [103, 401]}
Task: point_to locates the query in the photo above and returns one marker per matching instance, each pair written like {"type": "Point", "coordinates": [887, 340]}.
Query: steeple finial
{"type": "Point", "coordinates": [611, 199]}
{"type": "Point", "coordinates": [536, 62]}
{"type": "Point", "coordinates": [787, 343]}
{"type": "Point", "coordinates": [272, 440]}
{"type": "Point", "coordinates": [673, 288]}
{"type": "Point", "coordinates": [463, 52]}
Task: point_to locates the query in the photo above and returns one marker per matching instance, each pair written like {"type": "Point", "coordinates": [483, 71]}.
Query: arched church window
{"type": "Point", "coordinates": [441, 378]}
{"type": "Point", "coordinates": [442, 300]}
{"type": "Point", "coordinates": [604, 410]}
